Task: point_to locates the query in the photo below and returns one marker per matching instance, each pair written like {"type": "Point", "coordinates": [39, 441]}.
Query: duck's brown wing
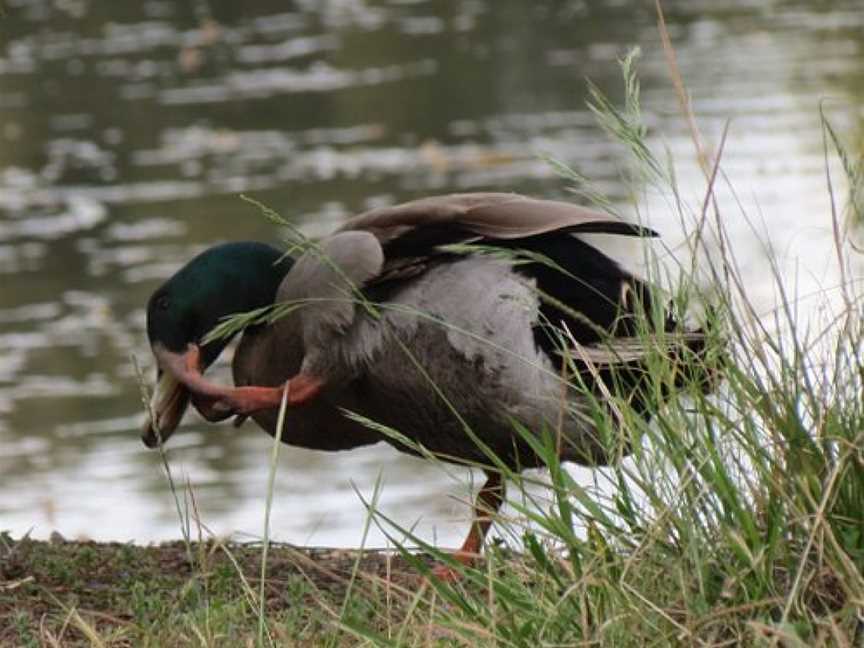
{"type": "Point", "coordinates": [455, 217]}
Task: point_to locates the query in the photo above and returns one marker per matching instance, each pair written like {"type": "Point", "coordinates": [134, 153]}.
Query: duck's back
{"type": "Point", "coordinates": [458, 350]}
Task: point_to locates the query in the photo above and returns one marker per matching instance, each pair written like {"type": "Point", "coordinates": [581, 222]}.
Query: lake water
{"type": "Point", "coordinates": [129, 129]}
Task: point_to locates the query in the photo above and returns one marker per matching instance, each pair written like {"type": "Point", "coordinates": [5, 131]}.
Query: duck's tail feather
{"type": "Point", "coordinates": [678, 358]}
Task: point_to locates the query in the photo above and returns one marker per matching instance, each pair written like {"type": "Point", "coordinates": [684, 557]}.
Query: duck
{"type": "Point", "coordinates": [452, 320]}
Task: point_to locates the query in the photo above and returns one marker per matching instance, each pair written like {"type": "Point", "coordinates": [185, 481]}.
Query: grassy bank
{"type": "Point", "coordinates": [110, 594]}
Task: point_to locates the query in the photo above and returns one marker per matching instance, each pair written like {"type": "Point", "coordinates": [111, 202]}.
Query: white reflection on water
{"type": "Point", "coordinates": [99, 496]}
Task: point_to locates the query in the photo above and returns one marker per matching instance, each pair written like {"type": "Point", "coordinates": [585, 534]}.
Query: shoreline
{"type": "Point", "coordinates": [69, 590]}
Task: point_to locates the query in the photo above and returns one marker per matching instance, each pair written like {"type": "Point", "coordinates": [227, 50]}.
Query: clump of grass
{"type": "Point", "coordinates": [738, 518]}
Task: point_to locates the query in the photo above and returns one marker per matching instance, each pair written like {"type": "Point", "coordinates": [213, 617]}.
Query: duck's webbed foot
{"type": "Point", "coordinates": [223, 402]}
{"type": "Point", "coordinates": [216, 402]}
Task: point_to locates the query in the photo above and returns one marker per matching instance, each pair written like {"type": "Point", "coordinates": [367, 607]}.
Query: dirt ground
{"type": "Point", "coordinates": [45, 584]}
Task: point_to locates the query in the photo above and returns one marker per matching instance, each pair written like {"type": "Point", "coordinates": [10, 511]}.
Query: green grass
{"type": "Point", "coordinates": [111, 594]}
{"type": "Point", "coordinates": [737, 520]}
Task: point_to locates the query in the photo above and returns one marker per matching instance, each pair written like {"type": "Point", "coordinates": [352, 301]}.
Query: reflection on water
{"type": "Point", "coordinates": [129, 129]}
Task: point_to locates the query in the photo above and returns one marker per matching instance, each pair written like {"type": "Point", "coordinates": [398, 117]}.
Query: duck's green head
{"type": "Point", "coordinates": [221, 281]}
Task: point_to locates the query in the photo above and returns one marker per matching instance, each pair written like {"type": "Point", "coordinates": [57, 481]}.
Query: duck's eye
{"type": "Point", "coordinates": [162, 302]}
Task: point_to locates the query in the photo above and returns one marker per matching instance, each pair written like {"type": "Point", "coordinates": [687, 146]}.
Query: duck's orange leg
{"type": "Point", "coordinates": [243, 401]}
{"type": "Point", "coordinates": [489, 500]}
{"type": "Point", "coordinates": [216, 402]}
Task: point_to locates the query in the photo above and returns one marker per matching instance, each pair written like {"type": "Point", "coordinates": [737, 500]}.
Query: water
{"type": "Point", "coordinates": [129, 129]}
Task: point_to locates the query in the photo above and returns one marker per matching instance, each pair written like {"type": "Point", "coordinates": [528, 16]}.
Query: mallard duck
{"type": "Point", "coordinates": [429, 317]}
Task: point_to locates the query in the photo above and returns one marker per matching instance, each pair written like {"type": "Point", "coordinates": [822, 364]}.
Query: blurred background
{"type": "Point", "coordinates": [129, 129]}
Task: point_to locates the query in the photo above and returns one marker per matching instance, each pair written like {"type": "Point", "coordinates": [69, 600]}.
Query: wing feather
{"type": "Point", "coordinates": [493, 215]}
